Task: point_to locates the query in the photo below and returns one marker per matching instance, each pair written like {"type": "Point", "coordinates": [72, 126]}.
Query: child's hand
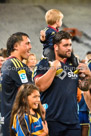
{"type": "Point", "coordinates": [42, 35]}
{"type": "Point", "coordinates": [45, 128]}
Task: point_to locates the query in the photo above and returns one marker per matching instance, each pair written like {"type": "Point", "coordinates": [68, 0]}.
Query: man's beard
{"type": "Point", "coordinates": [63, 56]}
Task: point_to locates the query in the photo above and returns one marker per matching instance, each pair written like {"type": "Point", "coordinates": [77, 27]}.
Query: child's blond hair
{"type": "Point", "coordinates": [52, 16]}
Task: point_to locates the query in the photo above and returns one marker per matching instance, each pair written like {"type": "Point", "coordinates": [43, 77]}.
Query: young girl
{"type": "Point", "coordinates": [26, 117]}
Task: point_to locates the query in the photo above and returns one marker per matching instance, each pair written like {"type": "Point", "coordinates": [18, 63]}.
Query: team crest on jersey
{"type": "Point", "coordinates": [53, 33]}
{"type": "Point", "coordinates": [22, 75]}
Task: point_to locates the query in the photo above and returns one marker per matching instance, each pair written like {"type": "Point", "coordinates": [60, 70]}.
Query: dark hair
{"type": "Point", "coordinates": [16, 37]}
{"type": "Point", "coordinates": [21, 105]}
{"type": "Point", "coordinates": [61, 35]}
{"type": "Point", "coordinates": [89, 52]}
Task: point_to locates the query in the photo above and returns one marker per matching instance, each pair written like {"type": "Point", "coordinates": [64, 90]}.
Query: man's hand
{"type": "Point", "coordinates": [43, 111]}
{"type": "Point", "coordinates": [55, 64]}
{"type": "Point", "coordinates": [83, 68]}
{"type": "Point", "coordinates": [84, 77]}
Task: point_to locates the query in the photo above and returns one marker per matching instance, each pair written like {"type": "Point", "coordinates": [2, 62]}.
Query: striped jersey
{"type": "Point", "coordinates": [29, 125]}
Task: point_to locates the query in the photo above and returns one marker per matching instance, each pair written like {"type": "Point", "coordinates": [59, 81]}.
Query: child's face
{"type": "Point", "coordinates": [59, 23]}
{"type": "Point", "coordinates": [34, 99]}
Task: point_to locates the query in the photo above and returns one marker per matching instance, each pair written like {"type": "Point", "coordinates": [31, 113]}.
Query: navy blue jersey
{"type": "Point", "coordinates": [83, 105]}
{"type": "Point", "coordinates": [14, 74]}
{"type": "Point", "coordinates": [61, 96]}
{"type": "Point", "coordinates": [49, 31]}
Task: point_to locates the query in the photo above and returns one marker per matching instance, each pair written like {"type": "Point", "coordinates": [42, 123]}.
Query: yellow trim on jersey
{"type": "Point", "coordinates": [14, 122]}
{"type": "Point", "coordinates": [38, 132]}
{"type": "Point", "coordinates": [14, 63]}
{"type": "Point", "coordinates": [59, 71]}
{"type": "Point", "coordinates": [76, 71]}
{"type": "Point", "coordinates": [43, 58]}
{"type": "Point", "coordinates": [89, 61]}
{"type": "Point", "coordinates": [17, 63]}
{"type": "Point", "coordinates": [52, 33]}
{"type": "Point", "coordinates": [46, 29]}
{"type": "Point", "coordinates": [32, 74]}
{"type": "Point", "coordinates": [34, 119]}
{"type": "Point", "coordinates": [20, 127]}
{"type": "Point", "coordinates": [20, 62]}
{"type": "Point", "coordinates": [26, 125]}
{"type": "Point", "coordinates": [84, 124]}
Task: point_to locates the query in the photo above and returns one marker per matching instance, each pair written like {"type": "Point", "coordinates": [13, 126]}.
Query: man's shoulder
{"type": "Point", "coordinates": [41, 67]}
{"type": "Point", "coordinates": [14, 62]}
{"type": "Point", "coordinates": [43, 61]}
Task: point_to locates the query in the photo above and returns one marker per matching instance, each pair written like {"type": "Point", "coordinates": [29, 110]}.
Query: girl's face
{"type": "Point", "coordinates": [34, 100]}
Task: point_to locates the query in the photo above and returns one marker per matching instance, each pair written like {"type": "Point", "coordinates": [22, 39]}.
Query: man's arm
{"type": "Point", "coordinates": [45, 80]}
{"type": "Point", "coordinates": [84, 77]}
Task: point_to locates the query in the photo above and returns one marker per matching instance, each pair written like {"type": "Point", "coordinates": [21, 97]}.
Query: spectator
{"type": "Point", "coordinates": [58, 86]}
{"type": "Point", "coordinates": [26, 117]}
{"type": "Point", "coordinates": [2, 59]}
{"type": "Point", "coordinates": [83, 116]}
{"type": "Point", "coordinates": [14, 74]}
{"type": "Point", "coordinates": [88, 59]}
{"type": "Point", "coordinates": [31, 61]}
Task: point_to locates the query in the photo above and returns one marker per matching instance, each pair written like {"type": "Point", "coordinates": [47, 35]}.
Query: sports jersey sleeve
{"type": "Point", "coordinates": [41, 68]}
{"type": "Point", "coordinates": [21, 127]}
{"type": "Point", "coordinates": [18, 72]}
{"type": "Point", "coordinates": [19, 77]}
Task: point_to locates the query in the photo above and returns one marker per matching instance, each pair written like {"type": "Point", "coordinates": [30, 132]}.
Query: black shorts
{"type": "Point", "coordinates": [59, 129]}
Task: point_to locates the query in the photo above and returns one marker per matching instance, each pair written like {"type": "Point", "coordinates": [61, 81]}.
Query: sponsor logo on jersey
{"type": "Point", "coordinates": [22, 75]}
{"type": "Point", "coordinates": [62, 74]}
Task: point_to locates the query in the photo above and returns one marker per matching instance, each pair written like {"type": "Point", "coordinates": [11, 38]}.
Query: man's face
{"type": "Point", "coordinates": [24, 48]}
{"type": "Point", "coordinates": [64, 48]}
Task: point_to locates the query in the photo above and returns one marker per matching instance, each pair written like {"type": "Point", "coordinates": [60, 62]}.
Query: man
{"type": "Point", "coordinates": [14, 74]}
{"type": "Point", "coordinates": [58, 86]}
{"type": "Point", "coordinates": [87, 94]}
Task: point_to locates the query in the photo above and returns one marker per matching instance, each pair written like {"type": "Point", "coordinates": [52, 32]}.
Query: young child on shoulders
{"type": "Point", "coordinates": [53, 19]}
{"type": "Point", "coordinates": [26, 116]}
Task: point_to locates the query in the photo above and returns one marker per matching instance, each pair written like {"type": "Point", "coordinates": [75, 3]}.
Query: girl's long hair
{"type": "Point", "coordinates": [21, 105]}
